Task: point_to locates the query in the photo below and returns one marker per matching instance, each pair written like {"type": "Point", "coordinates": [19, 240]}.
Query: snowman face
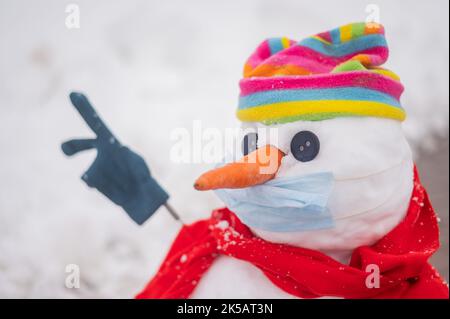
{"type": "Point", "coordinates": [371, 166]}
{"type": "Point", "coordinates": [368, 157]}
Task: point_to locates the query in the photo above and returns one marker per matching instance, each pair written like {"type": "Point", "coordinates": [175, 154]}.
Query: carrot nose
{"type": "Point", "coordinates": [255, 168]}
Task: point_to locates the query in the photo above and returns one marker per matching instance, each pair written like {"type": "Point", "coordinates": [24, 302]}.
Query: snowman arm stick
{"type": "Point", "coordinates": [173, 213]}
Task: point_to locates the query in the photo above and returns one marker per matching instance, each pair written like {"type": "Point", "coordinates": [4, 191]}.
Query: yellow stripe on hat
{"type": "Point", "coordinates": [285, 42]}
{"type": "Point", "coordinates": [386, 72]}
{"type": "Point", "coordinates": [346, 33]}
{"type": "Point", "coordinates": [318, 110]}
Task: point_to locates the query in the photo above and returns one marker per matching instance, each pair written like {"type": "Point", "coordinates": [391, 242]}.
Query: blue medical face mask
{"type": "Point", "coordinates": [285, 204]}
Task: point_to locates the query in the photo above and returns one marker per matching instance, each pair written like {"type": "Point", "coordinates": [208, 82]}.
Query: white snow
{"type": "Point", "coordinates": [150, 67]}
{"type": "Point", "coordinates": [183, 258]}
{"type": "Point", "coordinates": [221, 282]}
{"type": "Point", "coordinates": [223, 224]}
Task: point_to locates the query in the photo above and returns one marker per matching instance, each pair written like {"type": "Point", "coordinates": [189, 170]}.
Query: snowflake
{"type": "Point", "coordinates": [223, 224]}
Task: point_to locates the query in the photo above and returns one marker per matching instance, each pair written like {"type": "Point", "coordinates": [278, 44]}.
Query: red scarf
{"type": "Point", "coordinates": [402, 257]}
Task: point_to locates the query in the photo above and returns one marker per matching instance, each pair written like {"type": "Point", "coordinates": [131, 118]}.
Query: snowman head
{"type": "Point", "coordinates": [340, 170]}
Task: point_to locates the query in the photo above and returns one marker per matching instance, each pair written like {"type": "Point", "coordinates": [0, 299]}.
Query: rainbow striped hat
{"type": "Point", "coordinates": [332, 74]}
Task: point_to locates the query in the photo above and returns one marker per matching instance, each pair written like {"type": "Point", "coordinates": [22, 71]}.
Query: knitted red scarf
{"type": "Point", "coordinates": [401, 256]}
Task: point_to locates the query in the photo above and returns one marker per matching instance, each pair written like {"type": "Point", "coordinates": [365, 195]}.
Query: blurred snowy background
{"type": "Point", "coordinates": [149, 67]}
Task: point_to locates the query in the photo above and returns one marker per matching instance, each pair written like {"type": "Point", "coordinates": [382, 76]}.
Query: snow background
{"type": "Point", "coordinates": [150, 67]}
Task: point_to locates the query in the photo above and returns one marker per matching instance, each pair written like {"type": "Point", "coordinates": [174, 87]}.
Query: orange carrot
{"type": "Point", "coordinates": [255, 168]}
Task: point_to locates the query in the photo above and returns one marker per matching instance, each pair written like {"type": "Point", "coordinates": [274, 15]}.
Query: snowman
{"type": "Point", "coordinates": [333, 207]}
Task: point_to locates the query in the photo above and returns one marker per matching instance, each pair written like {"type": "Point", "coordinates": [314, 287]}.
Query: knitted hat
{"type": "Point", "coordinates": [332, 74]}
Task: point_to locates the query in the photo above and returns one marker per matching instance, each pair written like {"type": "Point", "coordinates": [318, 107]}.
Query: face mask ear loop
{"type": "Point", "coordinates": [342, 179]}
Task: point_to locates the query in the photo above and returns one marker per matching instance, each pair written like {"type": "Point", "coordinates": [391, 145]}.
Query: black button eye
{"type": "Point", "coordinates": [249, 143]}
{"type": "Point", "coordinates": [305, 146]}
